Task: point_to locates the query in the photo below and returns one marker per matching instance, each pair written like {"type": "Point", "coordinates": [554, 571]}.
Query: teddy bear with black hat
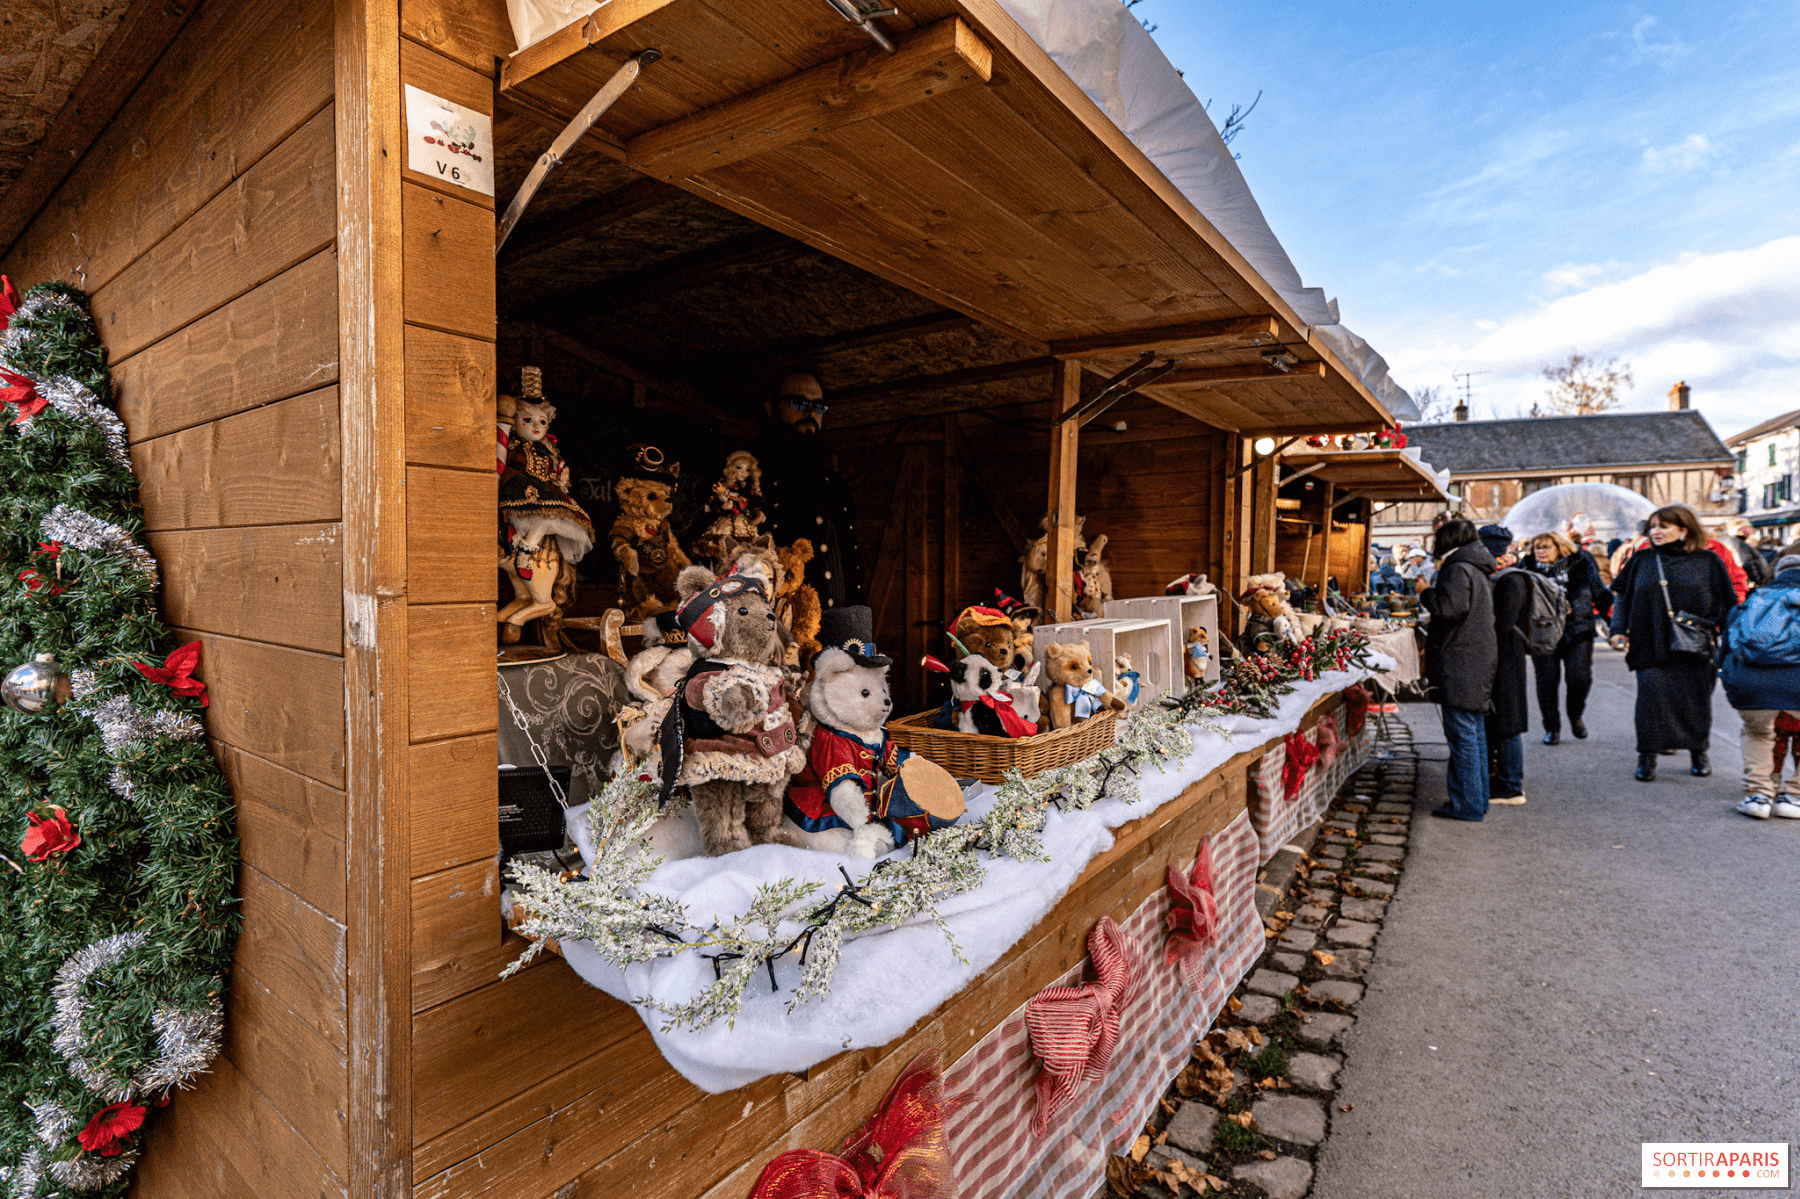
{"type": "Point", "coordinates": [859, 792]}
{"type": "Point", "coordinates": [730, 737]}
{"type": "Point", "coordinates": [643, 541]}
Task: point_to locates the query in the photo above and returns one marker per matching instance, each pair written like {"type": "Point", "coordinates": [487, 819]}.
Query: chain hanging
{"type": "Point", "coordinates": [537, 751]}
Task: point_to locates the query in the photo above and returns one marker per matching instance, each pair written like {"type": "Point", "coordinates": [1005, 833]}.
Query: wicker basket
{"type": "Point", "coordinates": [974, 755]}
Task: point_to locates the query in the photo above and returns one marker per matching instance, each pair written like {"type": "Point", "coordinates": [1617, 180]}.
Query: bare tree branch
{"type": "Point", "coordinates": [1583, 386]}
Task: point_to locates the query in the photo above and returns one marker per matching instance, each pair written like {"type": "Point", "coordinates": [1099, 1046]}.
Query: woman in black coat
{"type": "Point", "coordinates": [1510, 715]}
{"type": "Point", "coordinates": [1574, 570]}
{"type": "Point", "coordinates": [1460, 657]}
{"type": "Point", "coordinates": [1674, 692]}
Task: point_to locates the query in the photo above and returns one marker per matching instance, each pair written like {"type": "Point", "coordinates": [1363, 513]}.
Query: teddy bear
{"type": "Point", "coordinates": [979, 702]}
{"type": "Point", "coordinates": [1075, 694]}
{"type": "Point", "coordinates": [642, 540]}
{"type": "Point", "coordinates": [1127, 682]}
{"type": "Point", "coordinates": [987, 632]}
{"type": "Point", "coordinates": [1199, 652]}
{"type": "Point", "coordinates": [732, 737]}
{"type": "Point", "coordinates": [796, 600]}
{"type": "Point", "coordinates": [1269, 615]}
{"type": "Point", "coordinates": [1093, 580]}
{"type": "Point", "coordinates": [1036, 561]}
{"type": "Point", "coordinates": [860, 793]}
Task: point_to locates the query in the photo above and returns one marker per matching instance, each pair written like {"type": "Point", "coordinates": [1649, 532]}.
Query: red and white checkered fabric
{"type": "Point", "coordinates": [1074, 1029]}
{"type": "Point", "coordinates": [1279, 819]}
{"type": "Point", "coordinates": [993, 1149]}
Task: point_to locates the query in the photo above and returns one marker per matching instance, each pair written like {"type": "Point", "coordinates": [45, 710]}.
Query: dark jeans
{"type": "Point", "coordinates": [1466, 776]}
{"type": "Point", "coordinates": [1506, 761]}
{"type": "Point", "coordinates": [1576, 656]}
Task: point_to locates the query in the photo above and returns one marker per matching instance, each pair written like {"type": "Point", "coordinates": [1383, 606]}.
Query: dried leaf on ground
{"type": "Point", "coordinates": [1234, 1005]}
{"type": "Point", "coordinates": [1161, 1138]}
{"type": "Point", "coordinates": [1238, 1038]}
{"type": "Point", "coordinates": [1241, 1119]}
{"type": "Point", "coordinates": [1255, 1034]}
{"type": "Point", "coordinates": [1140, 1147]}
{"type": "Point", "coordinates": [1124, 1177]}
{"type": "Point", "coordinates": [1323, 958]}
{"type": "Point", "coordinates": [1272, 1083]}
{"type": "Point", "coordinates": [1176, 1171]}
{"type": "Point", "coordinates": [1346, 1107]}
{"type": "Point", "coordinates": [1217, 1184]}
{"type": "Point", "coordinates": [1167, 1106]}
{"type": "Point", "coordinates": [1267, 1155]}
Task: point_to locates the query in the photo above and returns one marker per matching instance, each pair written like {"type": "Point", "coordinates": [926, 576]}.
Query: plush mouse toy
{"type": "Point", "coordinates": [978, 701]}
{"type": "Point", "coordinates": [1075, 694]}
{"type": "Point", "coordinates": [860, 793]}
{"type": "Point", "coordinates": [730, 737]}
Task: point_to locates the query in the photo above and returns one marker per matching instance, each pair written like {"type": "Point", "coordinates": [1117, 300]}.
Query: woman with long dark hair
{"type": "Point", "coordinates": [1674, 579]}
{"type": "Point", "coordinates": [1558, 559]}
{"type": "Point", "coordinates": [1461, 653]}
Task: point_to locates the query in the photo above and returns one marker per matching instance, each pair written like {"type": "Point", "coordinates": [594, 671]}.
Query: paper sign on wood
{"type": "Point", "coordinates": [448, 142]}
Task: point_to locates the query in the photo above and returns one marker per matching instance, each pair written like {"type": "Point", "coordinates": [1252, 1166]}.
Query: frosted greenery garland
{"type": "Point", "coordinates": [111, 952]}
{"type": "Point", "coordinates": [627, 925]}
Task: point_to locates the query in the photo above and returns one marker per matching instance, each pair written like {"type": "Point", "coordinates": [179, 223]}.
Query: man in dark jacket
{"type": "Point", "coordinates": [1764, 686]}
{"type": "Point", "coordinates": [1461, 654]}
{"type": "Point", "coordinates": [1511, 714]}
{"type": "Point", "coordinates": [806, 497]}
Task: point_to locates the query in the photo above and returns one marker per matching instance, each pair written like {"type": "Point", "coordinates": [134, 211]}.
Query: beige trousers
{"type": "Point", "coordinates": [1762, 769]}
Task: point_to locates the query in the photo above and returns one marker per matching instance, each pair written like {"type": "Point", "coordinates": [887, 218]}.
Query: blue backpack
{"type": "Point", "coordinates": [1766, 632]}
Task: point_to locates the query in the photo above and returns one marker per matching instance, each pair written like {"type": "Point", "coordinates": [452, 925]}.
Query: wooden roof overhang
{"type": "Point", "coordinates": [1388, 476]}
{"type": "Point", "coordinates": [967, 168]}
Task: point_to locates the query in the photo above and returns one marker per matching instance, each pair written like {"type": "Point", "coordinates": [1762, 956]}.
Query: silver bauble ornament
{"type": "Point", "coordinates": [34, 686]}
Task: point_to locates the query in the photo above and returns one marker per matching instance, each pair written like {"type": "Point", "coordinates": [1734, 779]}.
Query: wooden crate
{"type": "Point", "coordinates": [1146, 642]}
{"type": "Point", "coordinates": [1182, 612]}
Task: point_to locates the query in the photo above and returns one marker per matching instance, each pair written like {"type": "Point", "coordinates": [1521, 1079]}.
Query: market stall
{"type": "Point", "coordinates": [1325, 500]}
{"type": "Point", "coordinates": [1037, 371]}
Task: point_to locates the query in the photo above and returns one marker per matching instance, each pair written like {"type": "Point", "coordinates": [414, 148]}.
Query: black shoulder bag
{"type": "Point", "coordinates": [1690, 637]}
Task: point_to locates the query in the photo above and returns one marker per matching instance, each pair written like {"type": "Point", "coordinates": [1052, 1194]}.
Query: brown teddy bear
{"type": "Point", "coordinates": [733, 735]}
{"type": "Point", "coordinates": [796, 600]}
{"type": "Point", "coordinates": [987, 632]}
{"type": "Point", "coordinates": [1075, 694]}
{"type": "Point", "coordinates": [642, 541]}
{"type": "Point", "coordinates": [1036, 561]}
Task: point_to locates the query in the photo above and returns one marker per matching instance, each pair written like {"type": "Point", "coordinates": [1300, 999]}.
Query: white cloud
{"type": "Point", "coordinates": [1572, 275]}
{"type": "Point", "coordinates": [1645, 45]}
{"type": "Point", "coordinates": [1728, 324]}
{"type": "Point", "coordinates": [1689, 154]}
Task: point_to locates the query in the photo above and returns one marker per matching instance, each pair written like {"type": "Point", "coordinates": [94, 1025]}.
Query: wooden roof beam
{"type": "Point", "coordinates": [684, 270]}
{"type": "Point", "coordinates": [869, 83]}
{"type": "Point", "coordinates": [1256, 330]}
{"type": "Point", "coordinates": [589, 217]}
{"type": "Point", "coordinates": [1239, 374]}
{"type": "Point", "coordinates": [939, 321]}
{"type": "Point", "coordinates": [957, 378]}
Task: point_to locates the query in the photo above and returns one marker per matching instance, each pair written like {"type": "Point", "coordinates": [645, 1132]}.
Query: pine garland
{"type": "Point", "coordinates": [112, 950]}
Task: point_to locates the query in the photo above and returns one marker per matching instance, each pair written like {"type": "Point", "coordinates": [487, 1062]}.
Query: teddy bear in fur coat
{"type": "Point", "coordinates": [733, 735]}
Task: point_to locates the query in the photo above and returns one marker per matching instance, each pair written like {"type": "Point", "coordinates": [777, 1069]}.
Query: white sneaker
{"type": "Point", "coordinates": [1786, 805]}
{"type": "Point", "coordinates": [1511, 801]}
{"type": "Point", "coordinates": [1758, 807]}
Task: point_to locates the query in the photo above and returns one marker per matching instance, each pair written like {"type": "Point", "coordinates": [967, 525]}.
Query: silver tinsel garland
{"type": "Point", "coordinates": [88, 1172]}
{"type": "Point", "coordinates": [19, 331]}
{"type": "Point", "coordinates": [73, 400]}
{"type": "Point", "coordinates": [122, 722]}
{"type": "Point", "coordinates": [76, 528]}
{"type": "Point", "coordinates": [186, 1041]}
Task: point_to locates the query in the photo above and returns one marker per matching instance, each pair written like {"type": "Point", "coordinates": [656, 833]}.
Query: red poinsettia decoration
{"type": "Point", "coordinates": [1193, 919]}
{"type": "Point", "coordinates": [177, 673]}
{"type": "Point", "coordinates": [48, 836]}
{"type": "Point", "coordinates": [35, 579]}
{"type": "Point", "coordinates": [105, 1134]}
{"type": "Point", "coordinates": [1301, 754]}
{"type": "Point", "coordinates": [9, 302]}
{"type": "Point", "coordinates": [22, 394]}
{"type": "Point", "coordinates": [899, 1153]}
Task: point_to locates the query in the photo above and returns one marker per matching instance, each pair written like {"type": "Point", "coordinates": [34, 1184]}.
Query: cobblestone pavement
{"type": "Point", "coordinates": [1510, 1008]}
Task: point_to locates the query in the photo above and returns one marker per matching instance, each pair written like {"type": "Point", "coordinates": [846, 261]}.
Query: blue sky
{"type": "Point", "coordinates": [1487, 186]}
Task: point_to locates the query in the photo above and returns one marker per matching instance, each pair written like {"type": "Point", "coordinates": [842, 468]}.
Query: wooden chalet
{"type": "Point", "coordinates": [1349, 485]}
{"type": "Point", "coordinates": [307, 337]}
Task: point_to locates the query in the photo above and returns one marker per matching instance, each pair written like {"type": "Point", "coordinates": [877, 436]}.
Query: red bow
{"type": "Point", "coordinates": [1329, 741]}
{"type": "Point", "coordinates": [1356, 708]}
{"type": "Point", "coordinates": [1194, 915]}
{"type": "Point", "coordinates": [22, 394]}
{"type": "Point", "coordinates": [1010, 720]}
{"type": "Point", "coordinates": [9, 302]}
{"type": "Point", "coordinates": [1075, 1029]}
{"type": "Point", "coordinates": [899, 1153]}
{"type": "Point", "coordinates": [177, 673]}
{"type": "Point", "coordinates": [1301, 754]}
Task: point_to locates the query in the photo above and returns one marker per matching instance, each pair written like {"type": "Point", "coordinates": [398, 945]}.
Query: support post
{"type": "Point", "coordinates": [1262, 504]}
{"type": "Point", "coordinates": [953, 519]}
{"type": "Point", "coordinates": [1325, 549]}
{"type": "Point", "coordinates": [1065, 446]}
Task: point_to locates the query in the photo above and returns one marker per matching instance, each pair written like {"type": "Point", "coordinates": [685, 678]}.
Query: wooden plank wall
{"type": "Point", "coordinates": [1155, 489]}
{"type": "Point", "coordinates": [202, 222]}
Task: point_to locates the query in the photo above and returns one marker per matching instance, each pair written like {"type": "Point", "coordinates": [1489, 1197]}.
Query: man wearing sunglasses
{"type": "Point", "coordinates": [806, 497]}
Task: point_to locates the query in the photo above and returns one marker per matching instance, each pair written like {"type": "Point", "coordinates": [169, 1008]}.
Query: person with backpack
{"type": "Point", "coordinates": [1460, 656]}
{"type": "Point", "coordinates": [1576, 575]}
{"type": "Point", "coordinates": [1760, 667]}
{"type": "Point", "coordinates": [1672, 598]}
{"type": "Point", "coordinates": [1514, 591]}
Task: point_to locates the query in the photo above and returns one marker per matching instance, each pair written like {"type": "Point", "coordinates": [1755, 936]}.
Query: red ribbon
{"type": "Point", "coordinates": [1193, 919]}
{"type": "Point", "coordinates": [22, 394]}
{"type": "Point", "coordinates": [9, 302]}
{"type": "Point", "coordinates": [899, 1153]}
{"type": "Point", "coordinates": [1010, 720]}
{"type": "Point", "coordinates": [1301, 754]}
{"type": "Point", "coordinates": [1074, 1030]}
{"type": "Point", "coordinates": [1356, 709]}
{"type": "Point", "coordinates": [177, 673]}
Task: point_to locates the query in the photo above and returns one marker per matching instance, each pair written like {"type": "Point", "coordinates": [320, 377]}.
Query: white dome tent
{"type": "Point", "coordinates": [1604, 509]}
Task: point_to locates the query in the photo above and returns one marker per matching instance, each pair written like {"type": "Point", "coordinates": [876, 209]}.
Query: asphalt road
{"type": "Point", "coordinates": [1612, 963]}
